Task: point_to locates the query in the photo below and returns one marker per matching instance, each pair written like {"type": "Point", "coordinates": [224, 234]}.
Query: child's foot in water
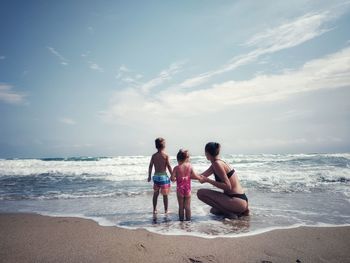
{"type": "Point", "coordinates": [155, 211]}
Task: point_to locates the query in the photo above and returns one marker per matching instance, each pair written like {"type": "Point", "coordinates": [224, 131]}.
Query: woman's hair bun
{"type": "Point", "coordinates": [213, 148]}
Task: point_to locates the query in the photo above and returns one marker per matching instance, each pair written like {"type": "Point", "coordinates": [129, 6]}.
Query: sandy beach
{"type": "Point", "coordinates": [36, 238]}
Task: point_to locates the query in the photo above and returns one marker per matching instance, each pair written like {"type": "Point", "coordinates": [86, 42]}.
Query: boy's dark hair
{"type": "Point", "coordinates": [213, 148]}
{"type": "Point", "coordinates": [182, 155]}
{"type": "Point", "coordinates": [160, 143]}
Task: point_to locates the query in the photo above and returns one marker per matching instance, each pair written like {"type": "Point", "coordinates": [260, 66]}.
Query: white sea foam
{"type": "Point", "coordinates": [283, 190]}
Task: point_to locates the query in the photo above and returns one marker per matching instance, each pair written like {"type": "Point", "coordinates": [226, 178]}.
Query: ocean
{"type": "Point", "coordinates": [284, 191]}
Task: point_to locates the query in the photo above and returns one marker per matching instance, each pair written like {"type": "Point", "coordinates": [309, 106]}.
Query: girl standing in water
{"type": "Point", "coordinates": [183, 173]}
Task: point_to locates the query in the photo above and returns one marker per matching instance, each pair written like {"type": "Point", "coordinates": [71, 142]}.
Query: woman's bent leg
{"type": "Point", "coordinates": [221, 202]}
{"type": "Point", "coordinates": [216, 211]}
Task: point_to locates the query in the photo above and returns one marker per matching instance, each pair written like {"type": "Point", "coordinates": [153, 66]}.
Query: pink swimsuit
{"type": "Point", "coordinates": [183, 180]}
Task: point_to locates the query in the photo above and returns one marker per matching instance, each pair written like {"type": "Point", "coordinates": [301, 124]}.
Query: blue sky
{"type": "Point", "coordinates": [107, 77]}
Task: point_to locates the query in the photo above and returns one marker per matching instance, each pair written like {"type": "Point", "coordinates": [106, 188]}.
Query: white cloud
{"type": "Point", "coordinates": [9, 96]}
{"type": "Point", "coordinates": [293, 114]}
{"type": "Point", "coordinates": [132, 106]}
{"type": "Point", "coordinates": [67, 121]}
{"type": "Point", "coordinates": [292, 33]}
{"type": "Point", "coordinates": [70, 146]}
{"type": "Point", "coordinates": [122, 71]}
{"type": "Point", "coordinates": [164, 75]}
{"type": "Point", "coordinates": [133, 80]}
{"type": "Point", "coordinates": [96, 67]}
{"type": "Point", "coordinates": [128, 76]}
{"type": "Point", "coordinates": [123, 68]}
{"type": "Point", "coordinates": [285, 36]}
{"type": "Point", "coordinates": [62, 59]}
{"type": "Point", "coordinates": [300, 142]}
{"type": "Point", "coordinates": [332, 71]}
{"type": "Point", "coordinates": [267, 142]}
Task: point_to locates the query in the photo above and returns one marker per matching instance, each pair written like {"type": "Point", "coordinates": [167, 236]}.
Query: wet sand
{"type": "Point", "coordinates": [36, 238]}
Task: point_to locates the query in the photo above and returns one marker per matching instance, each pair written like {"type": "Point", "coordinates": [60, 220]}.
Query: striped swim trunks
{"type": "Point", "coordinates": [161, 181]}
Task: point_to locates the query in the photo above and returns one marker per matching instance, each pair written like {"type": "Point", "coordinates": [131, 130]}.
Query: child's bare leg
{"type": "Point", "coordinates": [187, 204]}
{"type": "Point", "coordinates": [180, 200]}
{"type": "Point", "coordinates": [165, 201]}
{"type": "Point", "coordinates": [155, 199]}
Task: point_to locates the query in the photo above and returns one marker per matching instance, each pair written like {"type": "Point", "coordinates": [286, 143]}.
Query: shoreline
{"type": "Point", "coordinates": [99, 221]}
{"type": "Point", "coordinates": [29, 237]}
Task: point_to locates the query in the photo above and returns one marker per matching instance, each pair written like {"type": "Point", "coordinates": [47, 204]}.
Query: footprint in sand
{"type": "Point", "coordinates": [202, 259]}
{"type": "Point", "coordinates": [141, 247]}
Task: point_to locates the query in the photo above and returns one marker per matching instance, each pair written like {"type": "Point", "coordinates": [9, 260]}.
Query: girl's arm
{"type": "Point", "coordinates": [220, 171]}
{"type": "Point", "coordinates": [168, 165]}
{"type": "Point", "coordinates": [173, 175]}
{"type": "Point", "coordinates": [194, 175]}
{"type": "Point", "coordinates": [150, 169]}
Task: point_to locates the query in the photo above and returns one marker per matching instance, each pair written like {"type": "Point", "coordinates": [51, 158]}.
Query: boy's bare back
{"type": "Point", "coordinates": [160, 161]}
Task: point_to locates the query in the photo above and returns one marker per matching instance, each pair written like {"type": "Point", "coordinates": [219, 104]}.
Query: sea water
{"type": "Point", "coordinates": [284, 190]}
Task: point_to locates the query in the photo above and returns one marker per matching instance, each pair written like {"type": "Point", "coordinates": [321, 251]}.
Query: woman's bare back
{"type": "Point", "coordinates": [235, 184]}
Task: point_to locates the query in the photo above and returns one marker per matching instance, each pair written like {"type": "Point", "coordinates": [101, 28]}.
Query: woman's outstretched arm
{"type": "Point", "coordinates": [220, 171]}
{"type": "Point", "coordinates": [208, 172]}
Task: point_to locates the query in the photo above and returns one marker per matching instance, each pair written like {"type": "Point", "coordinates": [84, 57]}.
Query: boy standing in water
{"type": "Point", "coordinates": [161, 180]}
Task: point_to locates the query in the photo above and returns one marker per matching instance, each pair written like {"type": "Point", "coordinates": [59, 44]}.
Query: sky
{"type": "Point", "coordinates": [105, 78]}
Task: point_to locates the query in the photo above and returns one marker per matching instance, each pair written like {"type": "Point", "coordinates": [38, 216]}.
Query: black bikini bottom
{"type": "Point", "coordinates": [241, 196]}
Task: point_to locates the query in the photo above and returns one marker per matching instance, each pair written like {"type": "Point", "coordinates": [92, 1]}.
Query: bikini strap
{"type": "Point", "coordinates": [230, 168]}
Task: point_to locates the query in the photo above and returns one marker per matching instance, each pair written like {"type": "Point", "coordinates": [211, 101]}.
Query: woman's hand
{"type": "Point", "coordinates": [203, 179]}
